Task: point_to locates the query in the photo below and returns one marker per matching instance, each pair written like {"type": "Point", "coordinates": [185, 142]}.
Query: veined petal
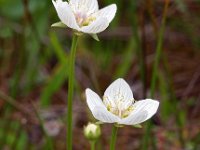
{"type": "Point", "coordinates": [119, 88]}
{"type": "Point", "coordinates": [143, 110]}
{"type": "Point", "coordinates": [65, 14]}
{"type": "Point", "coordinates": [88, 6]}
{"type": "Point", "coordinates": [96, 26]}
{"type": "Point", "coordinates": [98, 109]}
{"type": "Point", "coordinates": [103, 115]}
{"type": "Point", "coordinates": [93, 100]}
{"type": "Point", "coordinates": [107, 12]}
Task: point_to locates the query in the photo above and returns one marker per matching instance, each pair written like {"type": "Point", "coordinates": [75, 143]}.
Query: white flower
{"type": "Point", "coordinates": [84, 15]}
{"type": "Point", "coordinates": [119, 106]}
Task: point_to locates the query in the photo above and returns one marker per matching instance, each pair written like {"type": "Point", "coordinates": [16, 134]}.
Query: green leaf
{"type": "Point", "coordinates": [95, 36]}
{"type": "Point", "coordinates": [53, 84]}
{"type": "Point", "coordinates": [124, 67]}
{"type": "Point", "coordinates": [59, 25]}
{"type": "Point", "coordinates": [58, 49]}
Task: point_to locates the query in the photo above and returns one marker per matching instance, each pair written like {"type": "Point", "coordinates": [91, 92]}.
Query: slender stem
{"type": "Point", "coordinates": [138, 45]}
{"type": "Point", "coordinates": [155, 72]}
{"type": "Point", "coordinates": [150, 5]}
{"type": "Point", "coordinates": [49, 141]}
{"type": "Point", "coordinates": [113, 138]}
{"type": "Point", "coordinates": [92, 145]}
{"type": "Point", "coordinates": [70, 91]}
{"type": "Point", "coordinates": [159, 49]}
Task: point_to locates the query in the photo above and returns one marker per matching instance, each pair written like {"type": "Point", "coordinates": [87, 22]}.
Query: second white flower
{"type": "Point", "coordinates": [119, 106]}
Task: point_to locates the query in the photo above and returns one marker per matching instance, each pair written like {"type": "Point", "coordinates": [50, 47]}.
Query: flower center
{"type": "Point", "coordinates": [84, 16]}
{"type": "Point", "coordinates": [83, 19]}
{"type": "Point", "coordinates": [119, 106]}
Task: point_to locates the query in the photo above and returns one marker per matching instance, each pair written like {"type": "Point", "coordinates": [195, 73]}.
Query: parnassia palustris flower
{"type": "Point", "coordinates": [118, 105]}
{"type": "Point", "coordinates": [84, 15]}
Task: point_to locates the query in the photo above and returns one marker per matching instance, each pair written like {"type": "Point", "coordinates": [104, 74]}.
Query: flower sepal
{"type": "Point", "coordinates": [78, 33]}
{"type": "Point", "coordinates": [137, 126]}
{"type": "Point", "coordinates": [59, 25]}
{"type": "Point", "coordinates": [95, 37]}
{"type": "Point", "coordinates": [99, 123]}
{"type": "Point", "coordinates": [118, 125]}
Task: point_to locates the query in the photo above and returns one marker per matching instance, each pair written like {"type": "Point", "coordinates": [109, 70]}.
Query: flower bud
{"type": "Point", "coordinates": [92, 131]}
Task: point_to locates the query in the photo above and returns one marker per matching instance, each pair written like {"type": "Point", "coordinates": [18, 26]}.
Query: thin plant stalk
{"type": "Point", "coordinates": [159, 49]}
{"type": "Point", "coordinates": [92, 145]}
{"type": "Point", "coordinates": [8, 109]}
{"type": "Point", "coordinates": [49, 142]}
{"type": "Point", "coordinates": [150, 5]}
{"type": "Point", "coordinates": [113, 137]}
{"type": "Point", "coordinates": [71, 90]}
{"type": "Point", "coordinates": [17, 137]}
{"type": "Point", "coordinates": [155, 71]}
{"type": "Point", "coordinates": [174, 101]}
{"type": "Point", "coordinates": [138, 45]}
{"type": "Point", "coordinates": [6, 126]}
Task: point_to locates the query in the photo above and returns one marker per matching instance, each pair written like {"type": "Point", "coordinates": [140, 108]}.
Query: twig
{"type": "Point", "coordinates": [13, 103]}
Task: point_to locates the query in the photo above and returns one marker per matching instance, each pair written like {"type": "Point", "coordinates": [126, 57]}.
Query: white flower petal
{"type": "Point", "coordinates": [119, 88]}
{"type": "Point", "coordinates": [107, 12]}
{"type": "Point", "coordinates": [96, 26]}
{"type": "Point", "coordinates": [143, 110]}
{"type": "Point", "coordinates": [89, 6]}
{"type": "Point", "coordinates": [93, 100]}
{"type": "Point", "coordinates": [65, 14]}
{"type": "Point", "coordinates": [98, 109]}
{"type": "Point", "coordinates": [103, 115]}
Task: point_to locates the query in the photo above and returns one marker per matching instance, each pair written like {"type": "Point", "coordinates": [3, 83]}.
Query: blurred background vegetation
{"type": "Point", "coordinates": [34, 69]}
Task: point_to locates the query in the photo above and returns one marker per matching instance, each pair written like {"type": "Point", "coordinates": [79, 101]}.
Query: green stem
{"type": "Point", "coordinates": [155, 73]}
{"type": "Point", "coordinates": [140, 51]}
{"type": "Point", "coordinates": [159, 49]}
{"type": "Point", "coordinates": [70, 91]}
{"type": "Point", "coordinates": [92, 145]}
{"type": "Point", "coordinates": [113, 138]}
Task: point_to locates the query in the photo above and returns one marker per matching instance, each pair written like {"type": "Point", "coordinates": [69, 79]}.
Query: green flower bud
{"type": "Point", "coordinates": [92, 131]}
